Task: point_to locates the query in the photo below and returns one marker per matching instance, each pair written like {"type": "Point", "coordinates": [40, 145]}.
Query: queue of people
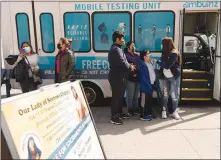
{"type": "Point", "coordinates": [129, 73]}
{"type": "Point", "coordinates": [135, 75]}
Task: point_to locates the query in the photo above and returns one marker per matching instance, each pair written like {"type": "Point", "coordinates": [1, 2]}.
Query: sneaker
{"type": "Point", "coordinates": [116, 120]}
{"type": "Point", "coordinates": [146, 118]}
{"type": "Point", "coordinates": [176, 115]}
{"type": "Point", "coordinates": [131, 112]}
{"type": "Point", "coordinates": [124, 116]}
{"type": "Point", "coordinates": [154, 116]}
{"type": "Point", "coordinates": [164, 114]}
{"type": "Point", "coordinates": [137, 111]}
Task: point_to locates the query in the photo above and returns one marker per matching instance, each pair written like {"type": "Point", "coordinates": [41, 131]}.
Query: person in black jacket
{"type": "Point", "coordinates": [119, 69]}
{"type": "Point", "coordinates": [171, 71]}
{"type": "Point", "coordinates": [26, 65]}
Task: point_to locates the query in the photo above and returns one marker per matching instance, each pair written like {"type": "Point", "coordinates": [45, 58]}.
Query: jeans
{"type": "Point", "coordinates": [170, 88]}
{"type": "Point", "coordinates": [178, 87]}
{"type": "Point", "coordinates": [132, 93]}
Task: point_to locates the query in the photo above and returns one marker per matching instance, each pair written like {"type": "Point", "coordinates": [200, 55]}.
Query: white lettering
{"type": "Point", "coordinates": [83, 64]}
{"type": "Point", "coordinates": [98, 64]}
{"type": "Point", "coordinates": [95, 64]}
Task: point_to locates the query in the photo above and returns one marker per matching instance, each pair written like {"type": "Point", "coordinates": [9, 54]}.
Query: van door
{"type": "Point", "coordinates": [18, 27]}
{"type": "Point", "coordinates": [181, 40]}
{"type": "Point", "coordinates": [48, 33]}
{"type": "Point", "coordinates": [217, 79]}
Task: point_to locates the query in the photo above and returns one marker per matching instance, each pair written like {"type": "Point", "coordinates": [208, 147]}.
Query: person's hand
{"type": "Point", "coordinates": [35, 70]}
{"type": "Point", "coordinates": [135, 75]}
{"type": "Point", "coordinates": [133, 67]}
{"type": "Point", "coordinates": [153, 59]}
{"type": "Point", "coordinates": [22, 55]}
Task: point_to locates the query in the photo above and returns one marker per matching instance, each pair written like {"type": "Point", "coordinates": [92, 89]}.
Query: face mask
{"type": "Point", "coordinates": [27, 49]}
{"type": "Point", "coordinates": [58, 46]}
{"type": "Point", "coordinates": [133, 49]}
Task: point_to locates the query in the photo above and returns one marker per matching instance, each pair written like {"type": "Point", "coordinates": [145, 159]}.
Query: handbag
{"type": "Point", "coordinates": [36, 76]}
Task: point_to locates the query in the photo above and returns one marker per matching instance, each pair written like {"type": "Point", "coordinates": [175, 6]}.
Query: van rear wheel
{"type": "Point", "coordinates": [93, 94]}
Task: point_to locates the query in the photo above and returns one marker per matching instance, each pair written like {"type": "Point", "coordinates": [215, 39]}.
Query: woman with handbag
{"type": "Point", "coordinates": [26, 70]}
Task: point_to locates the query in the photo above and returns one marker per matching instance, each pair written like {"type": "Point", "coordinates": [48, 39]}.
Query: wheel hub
{"type": "Point", "coordinates": [90, 94]}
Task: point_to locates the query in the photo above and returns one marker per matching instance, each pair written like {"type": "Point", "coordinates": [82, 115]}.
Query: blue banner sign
{"type": "Point", "coordinates": [89, 67]}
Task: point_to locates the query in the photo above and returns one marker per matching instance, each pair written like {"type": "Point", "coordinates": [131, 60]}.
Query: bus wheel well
{"type": "Point", "coordinates": [93, 93]}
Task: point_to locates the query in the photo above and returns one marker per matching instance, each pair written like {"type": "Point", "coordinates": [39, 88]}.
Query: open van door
{"type": "Point", "coordinates": [181, 40]}
{"type": "Point", "coordinates": [217, 79]}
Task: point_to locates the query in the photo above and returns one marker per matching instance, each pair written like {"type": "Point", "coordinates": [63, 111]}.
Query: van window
{"type": "Point", "coordinates": [104, 24]}
{"type": "Point", "coordinates": [22, 26]}
{"type": "Point", "coordinates": [47, 32]}
{"type": "Point", "coordinates": [77, 27]}
{"type": "Point", "coordinates": [151, 27]}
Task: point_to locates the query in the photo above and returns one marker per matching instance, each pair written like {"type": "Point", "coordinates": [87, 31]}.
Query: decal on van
{"type": "Point", "coordinates": [87, 67]}
{"type": "Point", "coordinates": [201, 4]}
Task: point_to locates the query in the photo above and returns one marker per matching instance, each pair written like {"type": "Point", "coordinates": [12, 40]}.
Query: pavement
{"type": "Point", "coordinates": [195, 136]}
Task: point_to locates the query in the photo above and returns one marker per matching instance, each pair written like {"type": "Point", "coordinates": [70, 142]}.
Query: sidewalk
{"type": "Point", "coordinates": [196, 136]}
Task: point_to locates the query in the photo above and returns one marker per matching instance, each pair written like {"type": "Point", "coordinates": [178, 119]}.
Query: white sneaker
{"type": "Point", "coordinates": [176, 115]}
{"type": "Point", "coordinates": [164, 114]}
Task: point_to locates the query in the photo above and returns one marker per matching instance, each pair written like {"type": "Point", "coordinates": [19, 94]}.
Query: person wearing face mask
{"type": "Point", "coordinates": [119, 69]}
{"type": "Point", "coordinates": [133, 85]}
{"type": "Point", "coordinates": [63, 64]}
{"type": "Point", "coordinates": [26, 66]}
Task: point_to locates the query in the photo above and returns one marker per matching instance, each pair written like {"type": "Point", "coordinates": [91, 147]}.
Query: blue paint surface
{"type": "Point", "coordinates": [47, 33]}
{"type": "Point", "coordinates": [89, 67]}
{"type": "Point", "coordinates": [104, 26]}
{"type": "Point", "coordinates": [151, 28]}
{"type": "Point", "coordinates": [77, 27]}
{"type": "Point", "coordinates": [22, 28]}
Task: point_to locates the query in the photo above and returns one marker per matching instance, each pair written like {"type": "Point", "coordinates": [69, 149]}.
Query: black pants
{"type": "Point", "coordinates": [28, 85]}
{"type": "Point", "coordinates": [146, 109]}
{"type": "Point", "coordinates": [118, 86]}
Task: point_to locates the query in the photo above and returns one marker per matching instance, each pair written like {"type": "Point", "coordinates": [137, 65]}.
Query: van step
{"type": "Point", "coordinates": [195, 80]}
{"type": "Point", "coordinates": [196, 99]}
{"type": "Point", "coordinates": [196, 89]}
{"type": "Point", "coordinates": [196, 93]}
{"type": "Point", "coordinates": [193, 71]}
{"type": "Point", "coordinates": [195, 83]}
{"type": "Point", "coordinates": [194, 75]}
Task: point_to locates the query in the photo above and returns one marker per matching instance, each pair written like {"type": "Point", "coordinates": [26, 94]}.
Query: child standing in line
{"type": "Point", "coordinates": [147, 83]}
